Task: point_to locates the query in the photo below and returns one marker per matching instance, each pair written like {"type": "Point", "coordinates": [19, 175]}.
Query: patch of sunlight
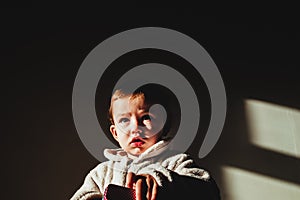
{"type": "Point", "coordinates": [273, 127]}
{"type": "Point", "coordinates": [238, 184]}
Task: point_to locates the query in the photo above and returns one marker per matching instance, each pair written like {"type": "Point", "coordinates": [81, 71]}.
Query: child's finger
{"type": "Point", "coordinates": [154, 190]}
{"type": "Point", "coordinates": [139, 189]}
{"type": "Point", "coordinates": [130, 177]}
{"type": "Point", "coordinates": [149, 187]}
{"type": "Point", "coordinates": [152, 187]}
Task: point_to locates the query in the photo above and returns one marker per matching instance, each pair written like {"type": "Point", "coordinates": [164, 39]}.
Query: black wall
{"type": "Point", "coordinates": [42, 50]}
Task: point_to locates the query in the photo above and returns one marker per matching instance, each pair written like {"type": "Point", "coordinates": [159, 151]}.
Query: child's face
{"type": "Point", "coordinates": [134, 127]}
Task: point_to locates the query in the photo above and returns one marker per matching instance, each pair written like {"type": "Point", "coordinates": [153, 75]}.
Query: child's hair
{"type": "Point", "coordinates": [154, 94]}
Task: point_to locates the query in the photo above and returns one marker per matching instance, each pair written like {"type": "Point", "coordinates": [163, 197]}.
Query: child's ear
{"type": "Point", "coordinates": [113, 131]}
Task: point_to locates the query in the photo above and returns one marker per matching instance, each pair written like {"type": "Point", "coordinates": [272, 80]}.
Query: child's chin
{"type": "Point", "coordinates": [137, 151]}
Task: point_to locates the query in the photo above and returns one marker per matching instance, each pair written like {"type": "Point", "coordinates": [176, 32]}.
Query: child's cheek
{"type": "Point", "coordinates": [148, 125]}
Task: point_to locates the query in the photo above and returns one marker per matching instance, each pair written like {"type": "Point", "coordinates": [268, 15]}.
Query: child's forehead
{"type": "Point", "coordinates": [128, 103]}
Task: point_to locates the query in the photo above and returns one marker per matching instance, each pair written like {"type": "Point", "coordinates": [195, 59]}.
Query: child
{"type": "Point", "coordinates": [144, 162]}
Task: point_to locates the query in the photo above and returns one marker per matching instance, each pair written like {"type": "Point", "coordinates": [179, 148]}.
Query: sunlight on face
{"type": "Point", "coordinates": [135, 128]}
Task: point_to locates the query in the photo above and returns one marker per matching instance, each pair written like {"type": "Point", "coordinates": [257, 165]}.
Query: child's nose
{"type": "Point", "coordinates": [135, 127]}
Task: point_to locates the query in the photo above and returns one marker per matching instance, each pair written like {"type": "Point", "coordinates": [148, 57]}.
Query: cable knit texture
{"type": "Point", "coordinates": [156, 161]}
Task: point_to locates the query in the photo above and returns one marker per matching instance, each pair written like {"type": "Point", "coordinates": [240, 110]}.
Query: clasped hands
{"type": "Point", "coordinates": [144, 184]}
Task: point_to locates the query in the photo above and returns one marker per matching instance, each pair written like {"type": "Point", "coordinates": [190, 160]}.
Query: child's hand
{"type": "Point", "coordinates": [142, 183]}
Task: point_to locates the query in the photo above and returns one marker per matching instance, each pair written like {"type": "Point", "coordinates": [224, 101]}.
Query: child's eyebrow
{"type": "Point", "coordinates": [140, 111]}
{"type": "Point", "coordinates": [123, 114]}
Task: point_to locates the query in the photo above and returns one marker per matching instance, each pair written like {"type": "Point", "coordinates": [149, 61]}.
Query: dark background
{"type": "Point", "coordinates": [42, 50]}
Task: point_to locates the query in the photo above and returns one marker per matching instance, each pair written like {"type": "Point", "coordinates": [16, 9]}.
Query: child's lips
{"type": "Point", "coordinates": [137, 142]}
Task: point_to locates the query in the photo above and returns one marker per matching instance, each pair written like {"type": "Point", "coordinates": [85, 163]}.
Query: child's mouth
{"type": "Point", "coordinates": [136, 142]}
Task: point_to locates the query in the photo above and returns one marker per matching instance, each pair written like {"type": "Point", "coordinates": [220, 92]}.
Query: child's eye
{"type": "Point", "coordinates": [123, 120]}
{"type": "Point", "coordinates": [146, 117]}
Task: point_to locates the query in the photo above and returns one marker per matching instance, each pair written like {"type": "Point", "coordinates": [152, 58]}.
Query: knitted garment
{"type": "Point", "coordinates": [156, 161]}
